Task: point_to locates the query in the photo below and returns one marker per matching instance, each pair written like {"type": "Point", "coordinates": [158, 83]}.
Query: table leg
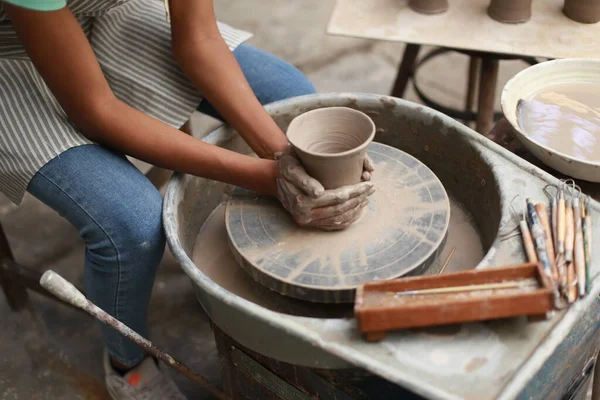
{"type": "Point", "coordinates": [474, 66]}
{"type": "Point", "coordinates": [15, 292]}
{"type": "Point", "coordinates": [406, 69]}
{"type": "Point", "coordinates": [487, 90]}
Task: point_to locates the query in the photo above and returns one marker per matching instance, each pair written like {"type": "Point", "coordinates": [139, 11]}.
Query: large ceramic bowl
{"type": "Point", "coordinates": [533, 79]}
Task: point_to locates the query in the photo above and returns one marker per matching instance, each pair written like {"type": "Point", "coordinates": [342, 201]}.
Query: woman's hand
{"type": "Point", "coordinates": [311, 205]}
{"type": "Point", "coordinates": [368, 169]}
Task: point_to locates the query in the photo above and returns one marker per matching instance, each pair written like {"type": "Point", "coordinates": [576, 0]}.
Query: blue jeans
{"type": "Point", "coordinates": [117, 211]}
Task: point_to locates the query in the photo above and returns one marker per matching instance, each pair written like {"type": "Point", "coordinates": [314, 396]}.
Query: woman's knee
{"type": "Point", "coordinates": [116, 210]}
{"type": "Point", "coordinates": [270, 77]}
{"type": "Point", "coordinates": [139, 236]}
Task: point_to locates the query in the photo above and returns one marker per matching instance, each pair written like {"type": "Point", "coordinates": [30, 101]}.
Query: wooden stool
{"type": "Point", "coordinates": [483, 73]}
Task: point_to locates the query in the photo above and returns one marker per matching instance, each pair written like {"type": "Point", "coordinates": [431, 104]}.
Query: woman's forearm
{"type": "Point", "coordinates": [121, 127]}
{"type": "Point", "coordinates": [210, 65]}
{"type": "Point", "coordinates": [63, 56]}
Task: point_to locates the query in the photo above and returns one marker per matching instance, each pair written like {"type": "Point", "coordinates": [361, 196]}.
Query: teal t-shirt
{"type": "Point", "coordinates": [40, 5]}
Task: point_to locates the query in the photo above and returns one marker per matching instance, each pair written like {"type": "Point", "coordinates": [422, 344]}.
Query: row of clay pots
{"type": "Point", "coordinates": [515, 11]}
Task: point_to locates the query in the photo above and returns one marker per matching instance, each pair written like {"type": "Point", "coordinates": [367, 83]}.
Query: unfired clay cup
{"type": "Point", "coordinates": [584, 11]}
{"type": "Point", "coordinates": [332, 144]}
{"type": "Point", "coordinates": [429, 6]}
{"type": "Point", "coordinates": [510, 11]}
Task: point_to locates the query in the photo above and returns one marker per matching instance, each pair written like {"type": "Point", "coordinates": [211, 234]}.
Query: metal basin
{"type": "Point", "coordinates": [474, 171]}
{"type": "Point", "coordinates": [534, 80]}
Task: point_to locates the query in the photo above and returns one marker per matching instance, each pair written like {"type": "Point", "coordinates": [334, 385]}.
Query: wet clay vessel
{"type": "Point", "coordinates": [429, 6]}
{"type": "Point", "coordinates": [585, 11]}
{"type": "Point", "coordinates": [332, 144]}
{"type": "Point", "coordinates": [510, 11]}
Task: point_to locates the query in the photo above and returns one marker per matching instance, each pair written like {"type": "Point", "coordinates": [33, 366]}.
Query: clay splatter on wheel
{"type": "Point", "coordinates": [399, 233]}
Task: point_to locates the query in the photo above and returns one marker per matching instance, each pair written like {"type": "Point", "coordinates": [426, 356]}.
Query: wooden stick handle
{"type": "Point", "coordinates": [554, 212]}
{"type": "Point", "coordinates": [579, 261]}
{"type": "Point", "coordinates": [571, 283]}
{"type": "Point", "coordinates": [560, 222]}
{"type": "Point", "coordinates": [578, 249]}
{"type": "Point", "coordinates": [528, 242]}
{"type": "Point", "coordinates": [468, 288]}
{"type": "Point", "coordinates": [587, 241]}
{"type": "Point", "coordinates": [569, 233]}
{"type": "Point", "coordinates": [542, 213]}
{"type": "Point", "coordinates": [64, 290]}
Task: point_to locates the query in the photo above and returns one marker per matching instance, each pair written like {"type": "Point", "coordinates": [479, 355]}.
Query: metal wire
{"type": "Point", "coordinates": [515, 231]}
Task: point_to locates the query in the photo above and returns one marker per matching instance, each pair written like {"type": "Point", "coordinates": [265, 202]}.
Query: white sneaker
{"type": "Point", "coordinates": [144, 382]}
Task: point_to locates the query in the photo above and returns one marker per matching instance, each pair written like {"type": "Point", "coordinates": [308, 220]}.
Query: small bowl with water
{"type": "Point", "coordinates": [554, 108]}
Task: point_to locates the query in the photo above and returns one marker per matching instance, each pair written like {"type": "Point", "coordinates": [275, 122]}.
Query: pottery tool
{"type": "Point", "coordinates": [429, 300]}
{"type": "Point", "coordinates": [65, 291]}
{"type": "Point", "coordinates": [528, 242]}
{"type": "Point", "coordinates": [561, 223]}
{"type": "Point", "coordinates": [524, 284]}
{"type": "Point", "coordinates": [447, 260]}
{"type": "Point", "coordinates": [569, 231]}
{"type": "Point", "coordinates": [563, 275]}
{"type": "Point", "coordinates": [525, 233]}
{"type": "Point", "coordinates": [400, 233]}
{"type": "Point", "coordinates": [587, 241]}
{"type": "Point", "coordinates": [572, 283]}
{"type": "Point", "coordinates": [539, 238]}
{"type": "Point", "coordinates": [542, 214]}
{"type": "Point", "coordinates": [578, 249]}
{"type": "Point", "coordinates": [554, 215]}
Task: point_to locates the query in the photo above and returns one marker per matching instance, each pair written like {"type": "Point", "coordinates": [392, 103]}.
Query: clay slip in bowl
{"type": "Point", "coordinates": [533, 80]}
{"type": "Point", "coordinates": [332, 144]}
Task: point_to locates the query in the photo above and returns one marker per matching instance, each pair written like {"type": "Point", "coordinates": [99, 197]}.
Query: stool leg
{"type": "Point", "coordinates": [15, 292]}
{"type": "Point", "coordinates": [474, 66]}
{"type": "Point", "coordinates": [406, 69]}
{"type": "Point", "coordinates": [487, 91]}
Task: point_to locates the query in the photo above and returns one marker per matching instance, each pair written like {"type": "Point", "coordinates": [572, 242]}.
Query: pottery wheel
{"type": "Point", "coordinates": [399, 233]}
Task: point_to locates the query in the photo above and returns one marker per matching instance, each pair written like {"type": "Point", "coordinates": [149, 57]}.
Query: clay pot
{"type": "Point", "coordinates": [585, 11]}
{"type": "Point", "coordinates": [510, 11]}
{"type": "Point", "coordinates": [428, 6]}
{"type": "Point", "coordinates": [332, 144]}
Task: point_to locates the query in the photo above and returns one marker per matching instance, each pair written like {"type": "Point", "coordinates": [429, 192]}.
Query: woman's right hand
{"type": "Point", "coordinates": [311, 205]}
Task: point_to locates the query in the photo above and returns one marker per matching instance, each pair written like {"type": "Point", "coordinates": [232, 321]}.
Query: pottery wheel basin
{"type": "Point", "coordinates": [470, 183]}
{"type": "Point", "coordinates": [400, 232]}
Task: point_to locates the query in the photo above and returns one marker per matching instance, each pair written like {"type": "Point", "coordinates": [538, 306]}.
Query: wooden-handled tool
{"type": "Point", "coordinates": [569, 233]}
{"type": "Point", "coordinates": [560, 222]}
{"type": "Point", "coordinates": [528, 242]}
{"type": "Point", "coordinates": [542, 213]}
{"type": "Point", "coordinates": [65, 291]}
{"type": "Point", "coordinates": [578, 249]}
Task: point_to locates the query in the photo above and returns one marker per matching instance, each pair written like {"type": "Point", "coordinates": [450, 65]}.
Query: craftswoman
{"type": "Point", "coordinates": [86, 83]}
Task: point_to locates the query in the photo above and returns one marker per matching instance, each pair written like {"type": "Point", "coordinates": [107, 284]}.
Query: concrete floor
{"type": "Point", "coordinates": [52, 352]}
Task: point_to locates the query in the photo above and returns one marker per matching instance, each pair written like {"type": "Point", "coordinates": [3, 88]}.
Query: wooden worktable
{"type": "Point", "coordinates": [466, 26]}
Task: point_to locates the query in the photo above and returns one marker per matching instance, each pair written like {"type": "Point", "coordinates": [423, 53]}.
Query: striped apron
{"type": "Point", "coordinates": [132, 41]}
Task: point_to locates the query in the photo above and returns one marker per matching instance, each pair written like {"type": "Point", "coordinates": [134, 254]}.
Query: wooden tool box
{"type": "Point", "coordinates": [474, 295]}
